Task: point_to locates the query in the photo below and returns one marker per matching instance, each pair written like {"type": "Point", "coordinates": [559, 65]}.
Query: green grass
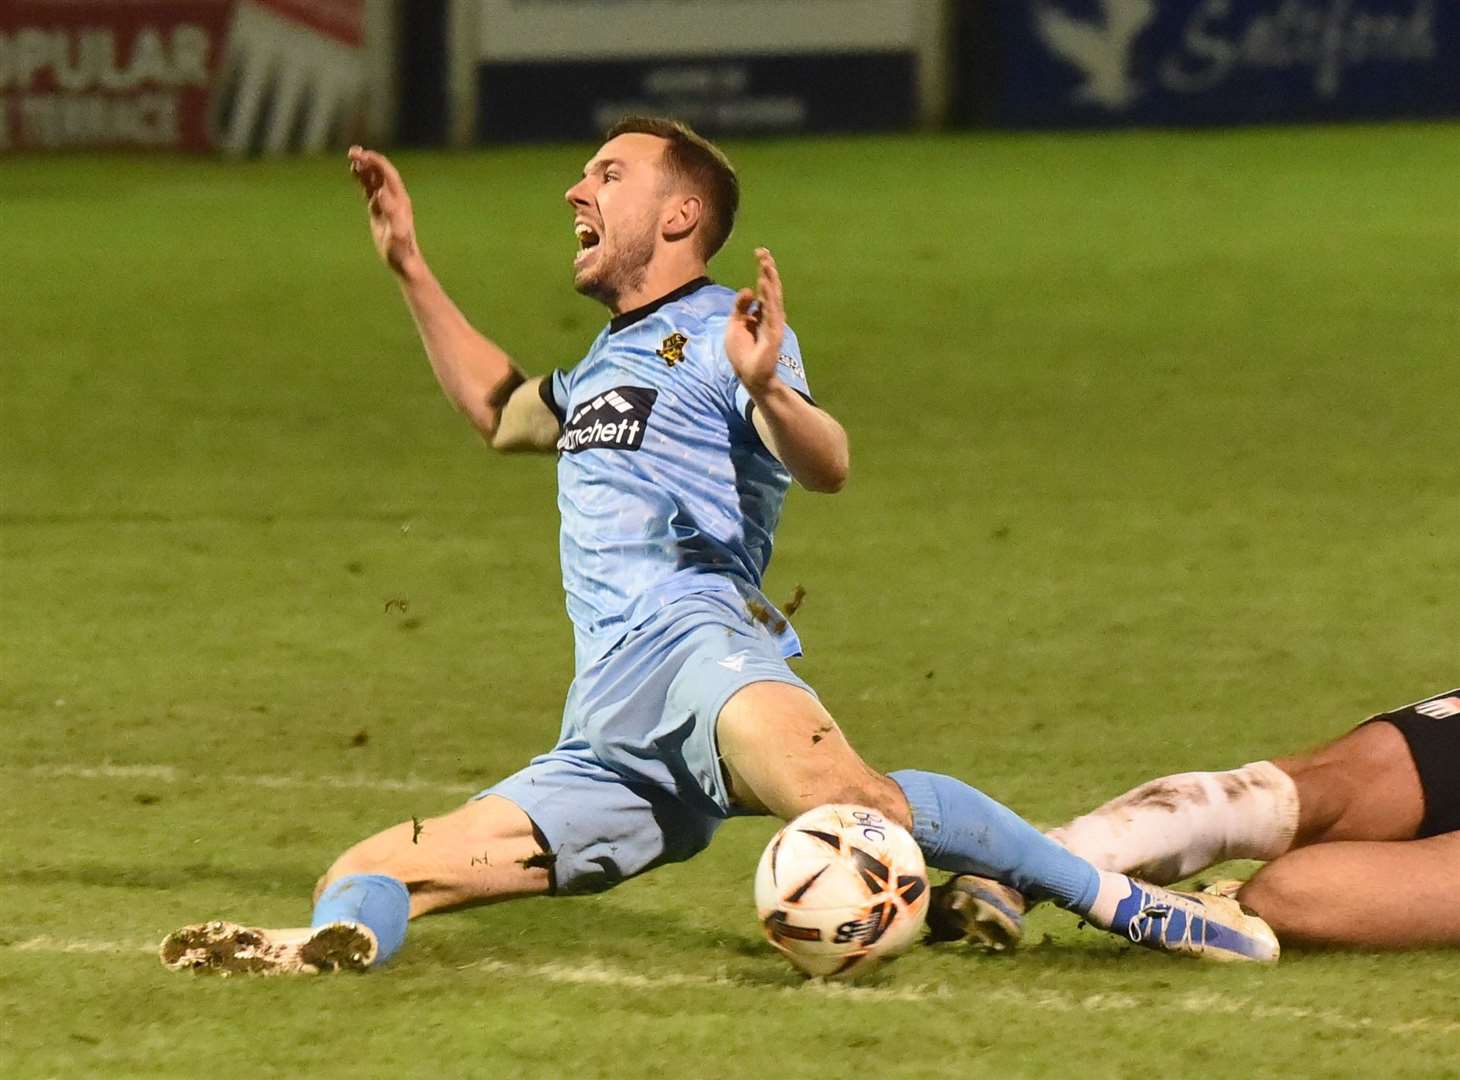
{"type": "Point", "coordinates": [1154, 468]}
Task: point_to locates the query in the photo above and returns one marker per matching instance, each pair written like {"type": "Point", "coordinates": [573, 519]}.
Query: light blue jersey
{"type": "Point", "coordinates": [664, 486]}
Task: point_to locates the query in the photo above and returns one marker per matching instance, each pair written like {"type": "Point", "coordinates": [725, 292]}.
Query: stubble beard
{"type": "Point", "coordinates": [621, 271]}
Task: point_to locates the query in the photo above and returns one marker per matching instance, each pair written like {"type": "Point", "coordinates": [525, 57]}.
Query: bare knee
{"type": "Point", "coordinates": [1296, 898]}
{"type": "Point", "coordinates": [1278, 896]}
{"type": "Point", "coordinates": [874, 791]}
{"type": "Point", "coordinates": [783, 754]}
{"type": "Point", "coordinates": [1362, 786]}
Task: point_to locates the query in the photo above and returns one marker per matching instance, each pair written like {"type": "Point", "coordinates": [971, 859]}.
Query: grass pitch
{"type": "Point", "coordinates": [1154, 467]}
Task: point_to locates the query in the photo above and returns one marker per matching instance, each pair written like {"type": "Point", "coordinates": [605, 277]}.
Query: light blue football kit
{"type": "Point", "coordinates": [669, 502]}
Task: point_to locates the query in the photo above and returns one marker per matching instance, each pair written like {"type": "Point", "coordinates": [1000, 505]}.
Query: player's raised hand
{"type": "Point", "coordinates": [392, 224]}
{"type": "Point", "coordinates": [757, 325]}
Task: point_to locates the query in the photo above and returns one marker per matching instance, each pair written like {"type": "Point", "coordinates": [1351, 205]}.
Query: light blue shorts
{"type": "Point", "coordinates": [635, 780]}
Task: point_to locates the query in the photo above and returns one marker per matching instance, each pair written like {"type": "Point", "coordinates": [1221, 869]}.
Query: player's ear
{"type": "Point", "coordinates": [682, 216]}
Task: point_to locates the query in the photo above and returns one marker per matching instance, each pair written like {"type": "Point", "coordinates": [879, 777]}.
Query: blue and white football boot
{"type": "Point", "coordinates": [1207, 925]}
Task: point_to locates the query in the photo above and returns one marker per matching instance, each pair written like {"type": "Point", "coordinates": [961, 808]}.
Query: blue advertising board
{"type": "Point", "coordinates": [751, 94]}
{"type": "Point", "coordinates": [1187, 62]}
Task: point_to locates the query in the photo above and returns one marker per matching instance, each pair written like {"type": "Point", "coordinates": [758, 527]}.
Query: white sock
{"type": "Point", "coordinates": [1113, 889]}
{"type": "Point", "coordinates": [1170, 828]}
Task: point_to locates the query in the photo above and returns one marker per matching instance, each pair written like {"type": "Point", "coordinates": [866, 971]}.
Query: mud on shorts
{"type": "Point", "coordinates": [635, 779]}
{"type": "Point", "coordinates": [1432, 729]}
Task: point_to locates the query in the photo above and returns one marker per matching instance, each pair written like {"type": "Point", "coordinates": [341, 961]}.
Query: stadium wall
{"type": "Point", "coordinates": [273, 76]}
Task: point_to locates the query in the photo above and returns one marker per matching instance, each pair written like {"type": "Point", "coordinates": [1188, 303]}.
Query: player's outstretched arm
{"type": "Point", "coordinates": [807, 439]}
{"type": "Point", "coordinates": [478, 377]}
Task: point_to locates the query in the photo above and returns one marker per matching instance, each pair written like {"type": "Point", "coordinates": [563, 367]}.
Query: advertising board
{"type": "Point", "coordinates": [569, 68]}
{"type": "Point", "coordinates": [1182, 62]}
{"type": "Point", "coordinates": [235, 75]}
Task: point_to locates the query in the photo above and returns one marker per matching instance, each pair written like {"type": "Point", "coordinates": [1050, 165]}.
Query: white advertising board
{"type": "Point", "coordinates": [544, 69]}
{"type": "Point", "coordinates": [609, 29]}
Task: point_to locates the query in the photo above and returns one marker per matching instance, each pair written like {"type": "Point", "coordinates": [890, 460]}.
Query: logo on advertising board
{"type": "Point", "coordinates": [1233, 59]}
{"type": "Point", "coordinates": [1099, 50]}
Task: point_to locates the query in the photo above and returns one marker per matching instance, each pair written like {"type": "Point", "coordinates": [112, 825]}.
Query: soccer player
{"type": "Point", "coordinates": [1361, 836]}
{"type": "Point", "coordinates": [677, 437]}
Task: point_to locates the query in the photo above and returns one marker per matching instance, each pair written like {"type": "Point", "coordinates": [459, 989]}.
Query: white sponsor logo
{"type": "Point", "coordinates": [614, 419]}
{"type": "Point", "coordinates": [1328, 37]}
{"type": "Point", "coordinates": [1442, 709]}
{"type": "Point", "coordinates": [1102, 51]}
{"type": "Point", "coordinates": [613, 399]}
{"type": "Point", "coordinates": [786, 360]}
{"type": "Point", "coordinates": [735, 661]}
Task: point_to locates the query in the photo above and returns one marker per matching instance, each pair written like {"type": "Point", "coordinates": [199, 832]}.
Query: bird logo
{"type": "Point", "coordinates": [1100, 50]}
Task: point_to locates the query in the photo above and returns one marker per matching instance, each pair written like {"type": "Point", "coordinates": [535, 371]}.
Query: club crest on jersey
{"type": "Point", "coordinates": [671, 350]}
{"type": "Point", "coordinates": [614, 420]}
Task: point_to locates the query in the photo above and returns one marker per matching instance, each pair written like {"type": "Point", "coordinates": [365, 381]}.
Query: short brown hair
{"type": "Point", "coordinates": [691, 158]}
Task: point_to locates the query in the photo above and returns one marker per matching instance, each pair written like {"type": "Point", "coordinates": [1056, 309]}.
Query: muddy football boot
{"type": "Point", "coordinates": [978, 910]}
{"type": "Point", "coordinates": [224, 948]}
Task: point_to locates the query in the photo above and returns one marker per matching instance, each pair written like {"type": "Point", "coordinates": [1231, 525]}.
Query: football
{"type": "Point", "coordinates": [840, 890]}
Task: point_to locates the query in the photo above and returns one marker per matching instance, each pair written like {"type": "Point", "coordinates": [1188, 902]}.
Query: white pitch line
{"type": "Point", "coordinates": [593, 973]}
{"type": "Point", "coordinates": [48, 944]}
{"type": "Point", "coordinates": [375, 783]}
{"type": "Point", "coordinates": [167, 774]}
{"type": "Point", "coordinates": [170, 774]}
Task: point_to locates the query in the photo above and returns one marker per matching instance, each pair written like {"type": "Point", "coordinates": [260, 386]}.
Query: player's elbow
{"type": "Point", "coordinates": [829, 479]}
{"type": "Point", "coordinates": [832, 484]}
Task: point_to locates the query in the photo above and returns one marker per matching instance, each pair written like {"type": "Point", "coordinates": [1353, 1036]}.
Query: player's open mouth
{"type": "Point", "coordinates": [587, 240]}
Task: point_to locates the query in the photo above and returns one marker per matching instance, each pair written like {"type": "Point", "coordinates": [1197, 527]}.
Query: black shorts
{"type": "Point", "coordinates": [1432, 729]}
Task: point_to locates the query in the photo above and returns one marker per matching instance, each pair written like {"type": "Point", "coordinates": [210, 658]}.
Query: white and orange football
{"type": "Point", "coordinates": [840, 890]}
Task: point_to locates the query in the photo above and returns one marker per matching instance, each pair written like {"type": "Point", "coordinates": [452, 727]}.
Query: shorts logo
{"type": "Point", "coordinates": [614, 420]}
{"type": "Point", "coordinates": [1439, 709]}
{"type": "Point", "coordinates": [671, 350]}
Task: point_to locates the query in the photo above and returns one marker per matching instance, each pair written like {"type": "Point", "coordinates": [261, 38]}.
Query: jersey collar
{"type": "Point", "coordinates": [628, 318]}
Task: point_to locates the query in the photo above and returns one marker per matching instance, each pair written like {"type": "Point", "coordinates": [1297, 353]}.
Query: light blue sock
{"type": "Point", "coordinates": [961, 829]}
{"type": "Point", "coordinates": [379, 902]}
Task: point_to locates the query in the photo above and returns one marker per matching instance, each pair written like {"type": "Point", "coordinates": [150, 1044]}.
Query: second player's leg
{"type": "Point", "coordinates": [1363, 894]}
{"type": "Point", "coordinates": [1362, 786]}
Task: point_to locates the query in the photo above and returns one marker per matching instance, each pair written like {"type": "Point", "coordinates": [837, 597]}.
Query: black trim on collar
{"type": "Point", "coordinates": [628, 318]}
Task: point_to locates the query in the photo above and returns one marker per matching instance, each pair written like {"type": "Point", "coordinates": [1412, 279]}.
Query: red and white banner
{"type": "Point", "coordinates": [242, 76]}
